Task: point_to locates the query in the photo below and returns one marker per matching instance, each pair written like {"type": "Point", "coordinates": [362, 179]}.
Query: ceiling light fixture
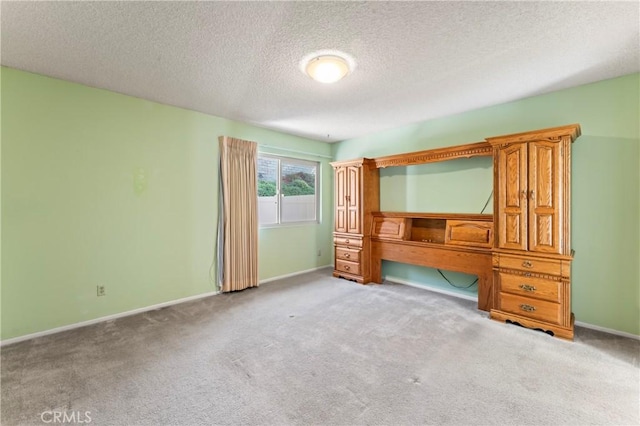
{"type": "Point", "coordinates": [327, 67]}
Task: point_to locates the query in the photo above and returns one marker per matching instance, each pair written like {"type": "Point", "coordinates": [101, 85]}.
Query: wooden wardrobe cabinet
{"type": "Point", "coordinates": [532, 254]}
{"type": "Point", "coordinates": [356, 197]}
{"type": "Point", "coordinates": [531, 187]}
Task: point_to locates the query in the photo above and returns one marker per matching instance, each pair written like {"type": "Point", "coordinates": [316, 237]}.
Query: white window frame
{"type": "Point", "coordinates": [289, 160]}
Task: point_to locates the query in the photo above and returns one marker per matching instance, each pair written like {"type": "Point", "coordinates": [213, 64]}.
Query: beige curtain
{"type": "Point", "coordinates": [238, 215]}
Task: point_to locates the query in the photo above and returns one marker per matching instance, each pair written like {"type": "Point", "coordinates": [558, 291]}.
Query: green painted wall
{"type": "Point", "coordinates": [72, 218]}
{"type": "Point", "coordinates": [605, 187]}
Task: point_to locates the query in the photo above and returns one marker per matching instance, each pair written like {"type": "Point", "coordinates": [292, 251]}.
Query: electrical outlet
{"type": "Point", "coordinates": [101, 291]}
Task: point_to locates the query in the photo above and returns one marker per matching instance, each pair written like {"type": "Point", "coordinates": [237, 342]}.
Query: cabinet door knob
{"type": "Point", "coordinates": [347, 267]}
{"type": "Point", "coordinates": [527, 308]}
{"type": "Point", "coordinates": [531, 194]}
{"type": "Point", "coordinates": [347, 255]}
{"type": "Point", "coordinates": [527, 264]}
{"type": "Point", "coordinates": [524, 194]}
{"type": "Point", "coordinates": [526, 287]}
{"type": "Point", "coordinates": [346, 241]}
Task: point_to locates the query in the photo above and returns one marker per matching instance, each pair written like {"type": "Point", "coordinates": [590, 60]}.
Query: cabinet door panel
{"type": "Point", "coordinates": [512, 202]}
{"type": "Point", "coordinates": [544, 232]}
{"type": "Point", "coordinates": [512, 235]}
{"type": "Point", "coordinates": [353, 200]}
{"type": "Point", "coordinates": [545, 197]}
{"type": "Point", "coordinates": [341, 199]}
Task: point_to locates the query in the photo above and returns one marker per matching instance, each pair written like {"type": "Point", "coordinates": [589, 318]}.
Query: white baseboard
{"type": "Point", "coordinates": [105, 318]}
{"type": "Point", "coordinates": [464, 296]}
{"type": "Point", "coordinates": [293, 274]}
{"type": "Point", "coordinates": [434, 289]}
{"type": "Point", "coordinates": [213, 293]}
{"type": "Point", "coordinates": [135, 311]}
{"type": "Point", "coordinates": [607, 330]}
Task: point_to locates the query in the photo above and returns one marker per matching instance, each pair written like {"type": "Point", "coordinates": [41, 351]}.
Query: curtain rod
{"type": "Point", "coordinates": [295, 150]}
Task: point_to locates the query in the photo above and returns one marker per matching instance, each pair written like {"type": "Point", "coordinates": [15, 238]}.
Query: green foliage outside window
{"type": "Point", "coordinates": [299, 183]}
{"type": "Point", "coordinates": [266, 188]}
{"type": "Point", "coordinates": [308, 178]}
{"type": "Point", "coordinates": [297, 187]}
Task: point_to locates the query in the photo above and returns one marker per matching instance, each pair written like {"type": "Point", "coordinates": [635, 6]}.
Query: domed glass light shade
{"type": "Point", "coordinates": [327, 68]}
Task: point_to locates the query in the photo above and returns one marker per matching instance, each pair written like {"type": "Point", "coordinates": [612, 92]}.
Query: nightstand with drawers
{"type": "Point", "coordinates": [534, 292]}
{"type": "Point", "coordinates": [348, 255]}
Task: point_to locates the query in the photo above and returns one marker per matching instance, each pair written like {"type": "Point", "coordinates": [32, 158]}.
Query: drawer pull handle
{"type": "Point", "coordinates": [346, 241]}
{"type": "Point", "coordinates": [526, 287]}
{"type": "Point", "coordinates": [527, 308]}
{"type": "Point", "coordinates": [347, 255]}
{"type": "Point", "coordinates": [347, 267]}
{"type": "Point", "coordinates": [527, 264]}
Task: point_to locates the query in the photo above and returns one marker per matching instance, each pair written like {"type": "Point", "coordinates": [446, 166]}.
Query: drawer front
{"type": "Point", "coordinates": [532, 264]}
{"type": "Point", "coordinates": [349, 267]}
{"type": "Point", "coordinates": [343, 253]}
{"type": "Point", "coordinates": [348, 241]}
{"type": "Point", "coordinates": [531, 308]}
{"type": "Point", "coordinates": [531, 287]}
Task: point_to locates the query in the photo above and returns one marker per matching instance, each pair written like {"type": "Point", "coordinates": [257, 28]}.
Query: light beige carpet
{"type": "Point", "coordinates": [314, 350]}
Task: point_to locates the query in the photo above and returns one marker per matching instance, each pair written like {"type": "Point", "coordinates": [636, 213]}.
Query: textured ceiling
{"type": "Point", "coordinates": [240, 60]}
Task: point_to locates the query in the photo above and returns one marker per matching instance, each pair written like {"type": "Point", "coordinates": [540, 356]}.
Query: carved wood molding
{"type": "Point", "coordinates": [422, 215]}
{"type": "Point", "coordinates": [532, 274]}
{"type": "Point", "coordinates": [478, 149]}
{"type": "Point", "coordinates": [554, 134]}
{"type": "Point", "coordinates": [358, 162]}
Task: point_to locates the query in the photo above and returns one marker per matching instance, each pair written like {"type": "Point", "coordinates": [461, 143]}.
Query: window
{"type": "Point", "coordinates": [287, 190]}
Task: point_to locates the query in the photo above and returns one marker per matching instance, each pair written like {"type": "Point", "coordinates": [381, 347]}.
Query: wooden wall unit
{"type": "Point", "coordinates": [532, 256]}
{"type": "Point", "coordinates": [524, 270]}
{"type": "Point", "coordinates": [357, 189]}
